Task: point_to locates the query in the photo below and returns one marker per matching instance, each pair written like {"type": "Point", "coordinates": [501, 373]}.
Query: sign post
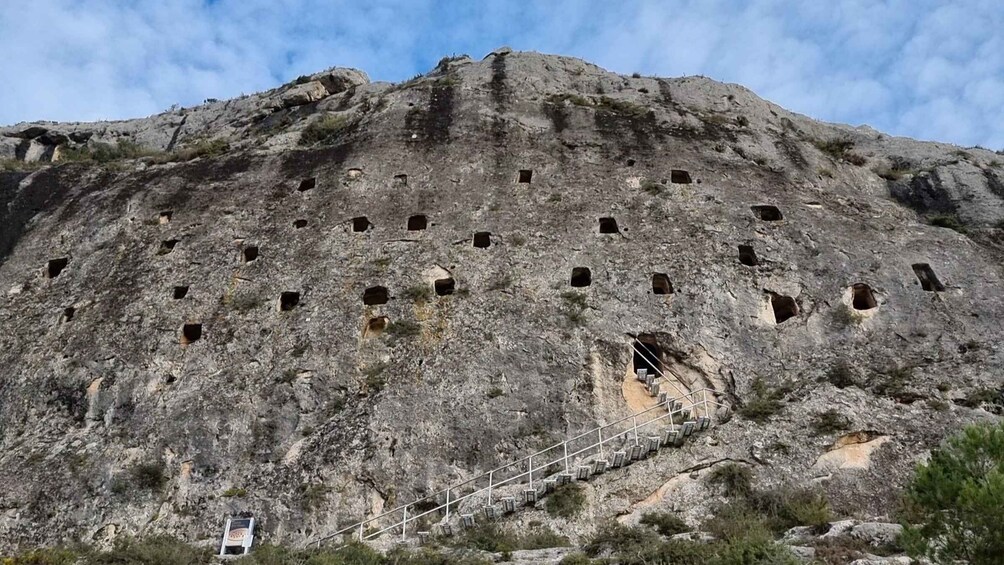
{"type": "Point", "coordinates": [238, 534]}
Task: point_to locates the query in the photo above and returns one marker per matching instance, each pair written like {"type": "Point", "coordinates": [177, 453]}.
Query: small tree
{"type": "Point", "coordinates": [954, 507]}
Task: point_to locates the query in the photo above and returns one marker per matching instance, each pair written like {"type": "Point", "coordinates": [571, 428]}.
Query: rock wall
{"type": "Point", "coordinates": [217, 340]}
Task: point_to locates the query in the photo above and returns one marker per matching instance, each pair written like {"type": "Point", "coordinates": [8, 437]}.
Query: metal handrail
{"type": "Point", "coordinates": [528, 463]}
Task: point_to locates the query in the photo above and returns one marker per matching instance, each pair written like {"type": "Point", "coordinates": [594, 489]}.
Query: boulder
{"type": "Point", "coordinates": [876, 560]}
{"type": "Point", "coordinates": [340, 80]}
{"type": "Point", "coordinates": [303, 94]}
{"type": "Point", "coordinates": [877, 533]}
{"type": "Point", "coordinates": [807, 554]}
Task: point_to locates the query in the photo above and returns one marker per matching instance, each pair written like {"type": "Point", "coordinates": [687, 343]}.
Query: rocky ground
{"type": "Point", "coordinates": [193, 323]}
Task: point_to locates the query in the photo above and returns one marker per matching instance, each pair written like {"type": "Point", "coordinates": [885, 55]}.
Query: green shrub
{"type": "Point", "coordinates": [954, 505]}
{"type": "Point", "coordinates": [635, 546]}
{"type": "Point", "coordinates": [950, 221]}
{"type": "Point", "coordinates": [840, 149]}
{"type": "Point", "coordinates": [312, 496]}
{"type": "Point", "coordinates": [764, 403]}
{"type": "Point", "coordinates": [324, 130]}
{"type": "Point", "coordinates": [652, 187]}
{"type": "Point", "coordinates": [622, 107]}
{"type": "Point", "coordinates": [157, 550]}
{"type": "Point", "coordinates": [576, 559]}
{"type": "Point", "coordinates": [840, 374]}
{"type": "Point", "coordinates": [755, 549]}
{"type": "Point", "coordinates": [616, 538]}
{"type": "Point", "coordinates": [844, 316]}
{"type": "Point", "coordinates": [829, 422]}
{"type": "Point", "coordinates": [566, 501]}
{"type": "Point", "coordinates": [418, 293]}
{"type": "Point", "coordinates": [573, 307]}
{"type": "Point", "coordinates": [50, 556]}
{"type": "Point", "coordinates": [148, 476]}
{"type": "Point", "coordinates": [490, 537]}
{"type": "Point", "coordinates": [736, 480]}
{"type": "Point", "coordinates": [234, 492]}
{"type": "Point", "coordinates": [403, 329]}
{"type": "Point", "coordinates": [193, 150]}
{"type": "Point", "coordinates": [665, 523]}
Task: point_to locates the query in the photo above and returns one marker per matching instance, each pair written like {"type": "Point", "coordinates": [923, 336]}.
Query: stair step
{"type": "Point", "coordinates": [564, 479]}
{"type": "Point", "coordinates": [653, 390]}
{"type": "Point", "coordinates": [619, 457]}
{"type": "Point", "coordinates": [550, 484]}
{"type": "Point", "coordinates": [490, 512]}
{"type": "Point", "coordinates": [599, 466]}
{"type": "Point", "coordinates": [583, 474]}
{"type": "Point", "coordinates": [530, 496]}
{"type": "Point", "coordinates": [688, 427]}
{"type": "Point", "coordinates": [703, 423]}
{"type": "Point", "coordinates": [640, 374]}
{"type": "Point", "coordinates": [446, 529]}
{"type": "Point", "coordinates": [467, 520]}
{"type": "Point", "coordinates": [508, 504]}
{"type": "Point", "coordinates": [423, 537]}
{"type": "Point", "coordinates": [636, 452]}
{"type": "Point", "coordinates": [654, 443]}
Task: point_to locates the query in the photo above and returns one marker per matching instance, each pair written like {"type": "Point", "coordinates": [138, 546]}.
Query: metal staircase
{"type": "Point", "coordinates": [505, 489]}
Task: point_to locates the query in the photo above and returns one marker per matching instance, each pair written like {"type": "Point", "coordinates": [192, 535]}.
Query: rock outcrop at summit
{"type": "Point", "coordinates": [331, 298]}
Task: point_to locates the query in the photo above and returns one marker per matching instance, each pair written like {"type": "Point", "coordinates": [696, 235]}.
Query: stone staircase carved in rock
{"type": "Point", "coordinates": [522, 483]}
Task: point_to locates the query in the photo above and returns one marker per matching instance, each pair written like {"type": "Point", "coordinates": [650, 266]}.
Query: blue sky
{"type": "Point", "coordinates": [923, 68]}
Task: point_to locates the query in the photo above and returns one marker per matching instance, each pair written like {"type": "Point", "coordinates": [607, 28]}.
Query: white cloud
{"type": "Point", "coordinates": [922, 68]}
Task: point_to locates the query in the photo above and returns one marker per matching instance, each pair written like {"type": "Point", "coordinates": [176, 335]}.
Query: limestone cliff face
{"type": "Point", "coordinates": [314, 332]}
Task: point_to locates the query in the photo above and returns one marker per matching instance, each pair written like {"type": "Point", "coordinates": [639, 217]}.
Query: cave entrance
{"type": "Point", "coordinates": [524, 176]}
{"type": "Point", "coordinates": [679, 176]}
{"type": "Point", "coordinates": [647, 355]}
{"type": "Point", "coordinates": [288, 300]}
{"type": "Point", "coordinates": [581, 276]}
{"type": "Point", "coordinates": [608, 225]}
{"type": "Point", "coordinates": [784, 307]}
{"type": "Point", "coordinates": [180, 292]}
{"type": "Point", "coordinates": [361, 224]}
{"type": "Point", "coordinates": [307, 184]}
{"type": "Point", "coordinates": [928, 280]}
{"type": "Point", "coordinates": [165, 217]}
{"type": "Point", "coordinates": [375, 295]}
{"type": "Point", "coordinates": [862, 297]}
{"type": "Point", "coordinates": [767, 213]}
{"type": "Point", "coordinates": [661, 284]}
{"type": "Point", "coordinates": [250, 253]}
{"type": "Point", "coordinates": [417, 222]}
{"type": "Point", "coordinates": [55, 266]}
{"type": "Point", "coordinates": [747, 256]}
{"type": "Point", "coordinates": [191, 333]}
{"type": "Point", "coordinates": [482, 239]}
{"type": "Point", "coordinates": [444, 287]}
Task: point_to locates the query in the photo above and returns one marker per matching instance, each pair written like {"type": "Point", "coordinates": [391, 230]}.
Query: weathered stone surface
{"type": "Point", "coordinates": [336, 81]}
{"type": "Point", "coordinates": [304, 93]}
{"type": "Point", "coordinates": [877, 533]}
{"type": "Point", "coordinates": [314, 416]}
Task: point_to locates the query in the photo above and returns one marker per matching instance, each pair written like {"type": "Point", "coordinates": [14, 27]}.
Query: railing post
{"type": "Point", "coordinates": [360, 531]}
{"type": "Point", "coordinates": [404, 524]}
{"type": "Point", "coordinates": [490, 476]}
{"type": "Point", "coordinates": [634, 428]}
{"type": "Point", "coordinates": [599, 435]}
{"type": "Point", "coordinates": [530, 461]}
{"type": "Point", "coordinates": [447, 504]}
{"type": "Point", "coordinates": [705, 395]}
{"type": "Point", "coordinates": [564, 446]}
